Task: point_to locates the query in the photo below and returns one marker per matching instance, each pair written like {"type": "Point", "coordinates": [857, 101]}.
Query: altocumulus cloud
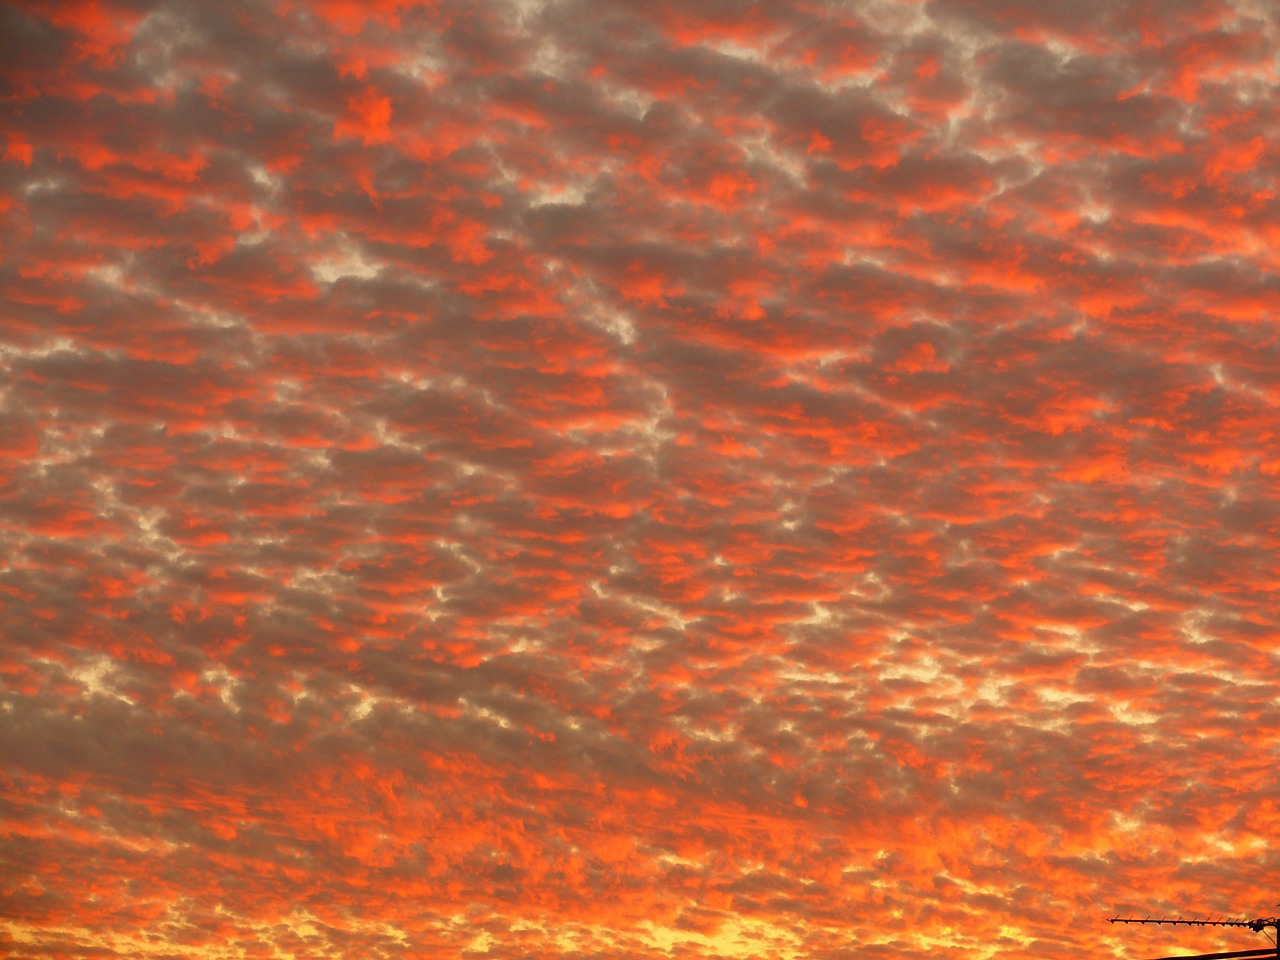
{"type": "Point", "coordinates": [611, 479]}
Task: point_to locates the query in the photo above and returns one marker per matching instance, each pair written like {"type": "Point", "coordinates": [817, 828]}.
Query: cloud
{"type": "Point", "coordinates": [597, 479]}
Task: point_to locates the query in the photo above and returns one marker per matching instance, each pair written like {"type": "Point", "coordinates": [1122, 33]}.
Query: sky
{"type": "Point", "coordinates": [637, 479]}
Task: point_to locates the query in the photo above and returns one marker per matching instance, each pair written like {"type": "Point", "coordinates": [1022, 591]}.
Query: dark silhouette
{"type": "Point", "coordinates": [1258, 925]}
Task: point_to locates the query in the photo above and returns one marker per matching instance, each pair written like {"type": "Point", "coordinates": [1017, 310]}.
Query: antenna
{"type": "Point", "coordinates": [1257, 925]}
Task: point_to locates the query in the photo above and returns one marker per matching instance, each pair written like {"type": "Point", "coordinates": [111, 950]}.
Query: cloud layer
{"type": "Point", "coordinates": [584, 478]}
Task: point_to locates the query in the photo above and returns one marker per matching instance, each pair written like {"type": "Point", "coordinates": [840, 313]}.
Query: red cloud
{"type": "Point", "coordinates": [568, 480]}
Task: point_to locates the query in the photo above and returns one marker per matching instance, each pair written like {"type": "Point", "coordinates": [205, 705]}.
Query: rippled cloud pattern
{"type": "Point", "coordinates": [611, 479]}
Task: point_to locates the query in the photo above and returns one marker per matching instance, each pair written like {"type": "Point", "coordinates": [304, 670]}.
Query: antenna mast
{"type": "Point", "coordinates": [1258, 926]}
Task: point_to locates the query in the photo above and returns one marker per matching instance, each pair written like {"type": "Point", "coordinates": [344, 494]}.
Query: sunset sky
{"type": "Point", "coordinates": [633, 479]}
